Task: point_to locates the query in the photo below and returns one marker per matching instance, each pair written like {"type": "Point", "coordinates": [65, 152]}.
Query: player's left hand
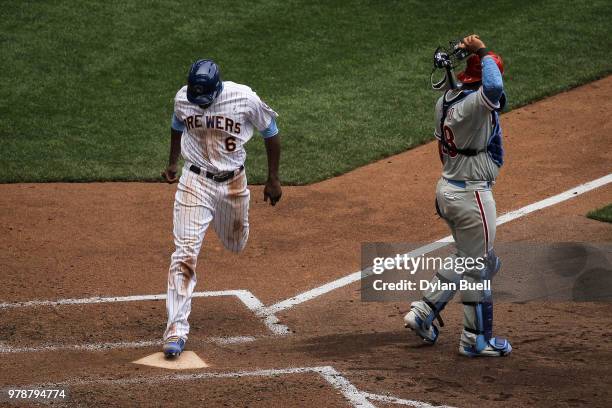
{"type": "Point", "coordinates": [472, 43]}
{"type": "Point", "coordinates": [273, 191]}
{"type": "Point", "coordinates": [170, 174]}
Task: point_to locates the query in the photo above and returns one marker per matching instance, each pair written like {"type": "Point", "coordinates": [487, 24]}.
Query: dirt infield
{"type": "Point", "coordinates": [74, 241]}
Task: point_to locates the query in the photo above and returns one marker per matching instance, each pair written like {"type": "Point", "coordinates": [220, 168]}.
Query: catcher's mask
{"type": "Point", "coordinates": [204, 82]}
{"type": "Point", "coordinates": [447, 59]}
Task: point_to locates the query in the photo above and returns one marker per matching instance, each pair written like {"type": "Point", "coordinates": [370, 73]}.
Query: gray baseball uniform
{"type": "Point", "coordinates": [469, 138]}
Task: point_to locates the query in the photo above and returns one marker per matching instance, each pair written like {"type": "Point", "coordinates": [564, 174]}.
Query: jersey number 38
{"type": "Point", "coordinates": [449, 138]}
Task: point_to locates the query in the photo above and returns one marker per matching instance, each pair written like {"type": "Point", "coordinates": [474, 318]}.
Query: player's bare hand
{"type": "Point", "coordinates": [472, 43]}
{"type": "Point", "coordinates": [273, 191]}
{"type": "Point", "coordinates": [169, 175]}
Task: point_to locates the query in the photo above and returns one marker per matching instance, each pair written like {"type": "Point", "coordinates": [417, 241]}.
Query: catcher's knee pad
{"type": "Point", "coordinates": [422, 314]}
{"type": "Point", "coordinates": [437, 299]}
{"type": "Point", "coordinates": [479, 314]}
{"type": "Point", "coordinates": [436, 308]}
{"type": "Point", "coordinates": [485, 344]}
{"type": "Point", "coordinates": [482, 318]}
{"type": "Point", "coordinates": [492, 264]}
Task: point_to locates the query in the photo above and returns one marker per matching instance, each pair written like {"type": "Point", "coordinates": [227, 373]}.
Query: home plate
{"type": "Point", "coordinates": [188, 360]}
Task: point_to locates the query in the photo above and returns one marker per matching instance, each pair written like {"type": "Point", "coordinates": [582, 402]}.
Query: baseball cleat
{"type": "Point", "coordinates": [496, 347]}
{"type": "Point", "coordinates": [417, 325]}
{"type": "Point", "coordinates": [173, 346]}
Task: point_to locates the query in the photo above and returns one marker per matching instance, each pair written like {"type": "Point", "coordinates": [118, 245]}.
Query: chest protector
{"type": "Point", "coordinates": [494, 147]}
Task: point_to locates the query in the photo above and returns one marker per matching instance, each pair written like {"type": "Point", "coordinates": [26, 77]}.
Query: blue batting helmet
{"type": "Point", "coordinates": [204, 82]}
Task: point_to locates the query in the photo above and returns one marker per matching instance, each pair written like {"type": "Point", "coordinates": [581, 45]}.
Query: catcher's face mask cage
{"type": "Point", "coordinates": [447, 59]}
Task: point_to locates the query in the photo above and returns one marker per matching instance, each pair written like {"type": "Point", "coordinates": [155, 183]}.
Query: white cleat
{"type": "Point", "coordinates": [496, 347]}
{"type": "Point", "coordinates": [416, 324]}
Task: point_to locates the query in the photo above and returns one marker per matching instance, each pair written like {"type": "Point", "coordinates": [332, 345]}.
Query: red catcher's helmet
{"type": "Point", "coordinates": [473, 70]}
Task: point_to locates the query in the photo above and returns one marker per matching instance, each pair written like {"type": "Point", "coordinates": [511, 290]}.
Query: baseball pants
{"type": "Point", "coordinates": [198, 202]}
{"type": "Point", "coordinates": [470, 213]}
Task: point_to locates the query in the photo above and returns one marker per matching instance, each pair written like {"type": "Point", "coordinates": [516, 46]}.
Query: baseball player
{"type": "Point", "coordinates": [469, 138]}
{"type": "Point", "coordinates": [212, 121]}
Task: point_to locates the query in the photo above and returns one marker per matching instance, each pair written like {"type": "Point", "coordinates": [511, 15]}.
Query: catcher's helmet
{"type": "Point", "coordinates": [204, 82]}
{"type": "Point", "coordinates": [473, 70]}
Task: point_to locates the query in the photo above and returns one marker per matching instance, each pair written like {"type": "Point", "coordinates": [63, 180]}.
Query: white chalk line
{"type": "Point", "coordinates": [400, 401]}
{"type": "Point", "coordinates": [347, 280]}
{"type": "Point", "coordinates": [245, 296]}
{"type": "Point", "coordinates": [221, 341]}
{"type": "Point", "coordinates": [258, 308]}
{"type": "Point", "coordinates": [513, 215]}
{"type": "Point", "coordinates": [114, 299]}
{"type": "Point", "coordinates": [348, 390]}
{"type": "Point", "coordinates": [232, 340]}
{"type": "Point", "coordinates": [5, 349]}
{"type": "Point", "coordinates": [267, 314]}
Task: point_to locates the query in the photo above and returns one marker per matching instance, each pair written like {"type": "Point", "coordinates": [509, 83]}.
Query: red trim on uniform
{"type": "Point", "coordinates": [484, 221]}
{"type": "Point", "coordinates": [486, 100]}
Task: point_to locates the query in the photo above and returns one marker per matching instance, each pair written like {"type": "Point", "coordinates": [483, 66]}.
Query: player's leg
{"type": "Point", "coordinates": [231, 221]}
{"type": "Point", "coordinates": [475, 238]}
{"type": "Point", "coordinates": [423, 313]}
{"type": "Point", "coordinates": [193, 212]}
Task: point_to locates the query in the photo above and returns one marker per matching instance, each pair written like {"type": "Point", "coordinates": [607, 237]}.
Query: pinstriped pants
{"type": "Point", "coordinates": [198, 201]}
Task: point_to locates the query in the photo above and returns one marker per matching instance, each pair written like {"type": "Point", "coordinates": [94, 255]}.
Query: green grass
{"type": "Point", "coordinates": [602, 214]}
{"type": "Point", "coordinates": [86, 88]}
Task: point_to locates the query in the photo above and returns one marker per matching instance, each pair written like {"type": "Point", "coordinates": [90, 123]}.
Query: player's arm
{"type": "Point", "coordinates": [438, 118]}
{"type": "Point", "coordinates": [492, 82]}
{"type": "Point", "coordinates": [176, 132]}
{"type": "Point", "coordinates": [272, 189]}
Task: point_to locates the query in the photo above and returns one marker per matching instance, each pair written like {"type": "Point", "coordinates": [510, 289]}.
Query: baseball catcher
{"type": "Point", "coordinates": [470, 146]}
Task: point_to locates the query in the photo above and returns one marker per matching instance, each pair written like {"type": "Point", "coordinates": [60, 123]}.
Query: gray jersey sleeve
{"type": "Point", "coordinates": [438, 118]}
{"type": "Point", "coordinates": [478, 104]}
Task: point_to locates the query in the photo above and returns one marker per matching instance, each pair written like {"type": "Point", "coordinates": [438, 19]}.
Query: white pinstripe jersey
{"type": "Point", "coordinates": [214, 138]}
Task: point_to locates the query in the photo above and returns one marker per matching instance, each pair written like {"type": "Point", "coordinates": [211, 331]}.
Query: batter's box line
{"type": "Point", "coordinates": [332, 376]}
{"type": "Point", "coordinates": [220, 341]}
{"type": "Point", "coordinates": [441, 243]}
{"type": "Point", "coordinates": [246, 297]}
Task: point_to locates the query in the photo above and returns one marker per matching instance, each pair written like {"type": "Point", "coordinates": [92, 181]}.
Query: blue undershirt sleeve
{"type": "Point", "coordinates": [492, 83]}
{"type": "Point", "coordinates": [271, 130]}
{"type": "Point", "coordinates": [177, 124]}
